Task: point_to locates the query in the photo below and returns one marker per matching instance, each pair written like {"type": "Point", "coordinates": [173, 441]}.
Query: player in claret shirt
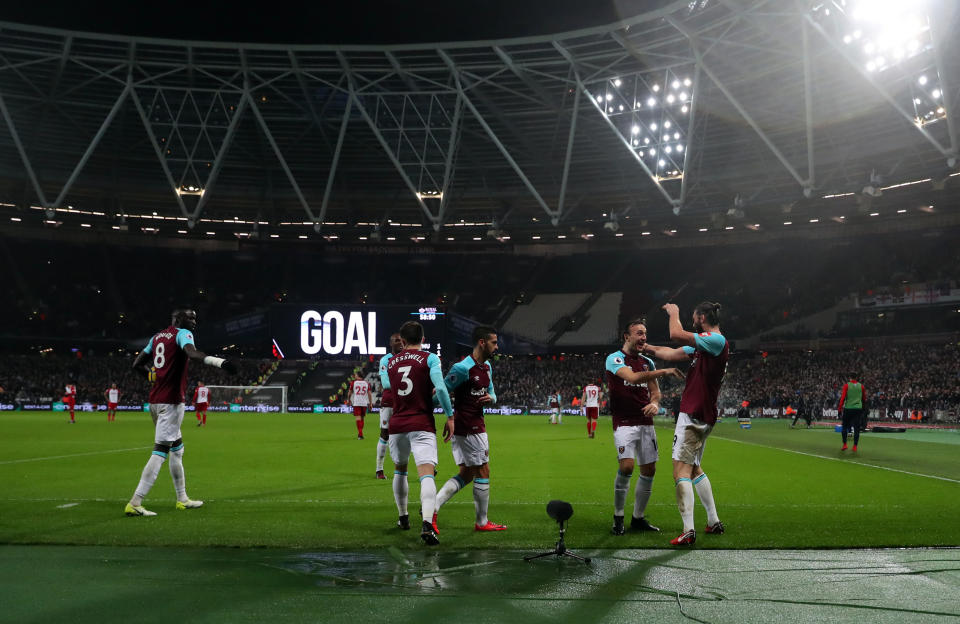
{"type": "Point", "coordinates": [709, 352]}
{"type": "Point", "coordinates": [471, 382]}
{"type": "Point", "coordinates": [386, 402]}
{"type": "Point", "coordinates": [201, 400]}
{"type": "Point", "coordinates": [414, 376]}
{"type": "Point", "coordinates": [169, 352]}
{"type": "Point", "coordinates": [634, 401]}
{"type": "Point", "coordinates": [113, 397]}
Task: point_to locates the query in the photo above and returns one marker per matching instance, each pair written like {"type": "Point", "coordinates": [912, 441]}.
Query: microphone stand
{"type": "Point", "coordinates": [560, 550]}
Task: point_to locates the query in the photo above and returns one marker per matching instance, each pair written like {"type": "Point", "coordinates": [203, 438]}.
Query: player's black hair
{"type": "Point", "coordinates": [626, 328]}
{"type": "Point", "coordinates": [411, 332]}
{"type": "Point", "coordinates": [180, 313]}
{"type": "Point", "coordinates": [482, 332]}
{"type": "Point", "coordinates": [710, 312]}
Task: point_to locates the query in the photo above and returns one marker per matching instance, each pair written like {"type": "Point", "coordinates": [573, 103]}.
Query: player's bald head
{"type": "Point", "coordinates": [185, 318]}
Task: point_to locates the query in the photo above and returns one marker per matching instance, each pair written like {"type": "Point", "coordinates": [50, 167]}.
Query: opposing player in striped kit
{"type": "Point", "coordinates": [386, 402]}
{"type": "Point", "coordinates": [471, 382]}
{"type": "Point", "coordinates": [169, 352]}
{"type": "Point", "coordinates": [201, 400]}
{"type": "Point", "coordinates": [709, 352]}
{"type": "Point", "coordinates": [591, 407]}
{"type": "Point", "coordinates": [113, 397]}
{"type": "Point", "coordinates": [414, 376]}
{"type": "Point", "coordinates": [360, 399]}
{"type": "Point", "coordinates": [70, 399]}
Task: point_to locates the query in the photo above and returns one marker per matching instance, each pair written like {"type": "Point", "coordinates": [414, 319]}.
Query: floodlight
{"type": "Point", "coordinates": [651, 102]}
{"type": "Point", "coordinates": [635, 129]}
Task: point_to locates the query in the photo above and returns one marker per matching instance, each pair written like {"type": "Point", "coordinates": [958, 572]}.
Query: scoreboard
{"type": "Point", "coordinates": [347, 331]}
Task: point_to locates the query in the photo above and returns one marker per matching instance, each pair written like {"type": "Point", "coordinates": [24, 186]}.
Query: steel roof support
{"type": "Point", "coordinates": [336, 159]}
{"type": "Point", "coordinates": [626, 142]}
{"type": "Point", "coordinates": [23, 154]}
{"type": "Point", "coordinates": [945, 88]}
{"type": "Point", "coordinates": [448, 165]}
{"type": "Point", "coordinates": [567, 157]}
{"type": "Point", "coordinates": [736, 104]}
{"type": "Point", "coordinates": [808, 109]}
{"type": "Point", "coordinates": [345, 64]}
{"type": "Point", "coordinates": [554, 215]}
{"type": "Point", "coordinates": [845, 55]}
{"type": "Point", "coordinates": [694, 101]}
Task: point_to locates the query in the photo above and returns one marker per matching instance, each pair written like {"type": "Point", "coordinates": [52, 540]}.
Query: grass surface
{"type": "Point", "coordinates": [305, 481]}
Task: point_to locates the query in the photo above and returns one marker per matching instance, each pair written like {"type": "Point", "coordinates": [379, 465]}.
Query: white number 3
{"type": "Point", "coordinates": [405, 380]}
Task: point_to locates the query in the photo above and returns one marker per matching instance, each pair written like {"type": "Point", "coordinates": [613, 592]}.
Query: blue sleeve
{"type": "Point", "coordinates": [184, 338]}
{"type": "Point", "coordinates": [493, 395]}
{"type": "Point", "coordinates": [653, 366]}
{"type": "Point", "coordinates": [615, 362]}
{"type": "Point", "coordinates": [436, 376]}
{"type": "Point", "coordinates": [712, 343]}
{"type": "Point", "coordinates": [689, 350]}
{"type": "Point", "coordinates": [384, 377]}
{"type": "Point", "coordinates": [457, 375]}
{"type": "Point", "coordinates": [149, 348]}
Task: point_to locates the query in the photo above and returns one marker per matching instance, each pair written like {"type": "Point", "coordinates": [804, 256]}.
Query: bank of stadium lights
{"type": "Point", "coordinates": [190, 190]}
{"type": "Point", "coordinates": [883, 32]}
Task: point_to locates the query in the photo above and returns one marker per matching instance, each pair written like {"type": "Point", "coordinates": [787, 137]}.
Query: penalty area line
{"type": "Point", "coordinates": [36, 459]}
{"type": "Point", "coordinates": [853, 463]}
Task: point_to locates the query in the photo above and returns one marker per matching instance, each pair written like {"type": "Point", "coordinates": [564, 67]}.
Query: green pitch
{"type": "Point", "coordinates": [304, 481]}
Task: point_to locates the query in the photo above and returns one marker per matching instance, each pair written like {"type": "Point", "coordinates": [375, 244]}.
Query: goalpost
{"type": "Point", "coordinates": [259, 397]}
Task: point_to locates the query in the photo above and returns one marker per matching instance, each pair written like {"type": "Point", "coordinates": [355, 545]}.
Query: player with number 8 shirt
{"type": "Point", "coordinates": [169, 352]}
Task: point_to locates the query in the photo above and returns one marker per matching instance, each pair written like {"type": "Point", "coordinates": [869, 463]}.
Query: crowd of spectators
{"type": "Point", "coordinates": [39, 378]}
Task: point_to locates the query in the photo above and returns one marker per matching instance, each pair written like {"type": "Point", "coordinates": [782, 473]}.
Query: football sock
{"type": "Point", "coordinates": [381, 453]}
{"type": "Point", "coordinates": [594, 426]}
{"type": "Point", "coordinates": [428, 497]}
{"type": "Point", "coordinates": [481, 499]}
{"type": "Point", "coordinates": [148, 477]}
{"type": "Point", "coordinates": [685, 502]}
{"type": "Point", "coordinates": [204, 418]}
{"type": "Point", "coordinates": [620, 487]}
{"type": "Point", "coordinates": [705, 492]}
{"type": "Point", "coordinates": [642, 495]}
{"type": "Point", "coordinates": [400, 491]}
{"type": "Point", "coordinates": [359, 427]}
{"type": "Point", "coordinates": [451, 487]}
{"type": "Point", "coordinates": [176, 471]}
{"type": "Point", "coordinates": [589, 426]}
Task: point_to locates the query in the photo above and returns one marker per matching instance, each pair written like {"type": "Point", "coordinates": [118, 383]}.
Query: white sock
{"type": "Point", "coordinates": [642, 495]}
{"type": "Point", "coordinates": [428, 497]}
{"type": "Point", "coordinates": [147, 478]}
{"type": "Point", "coordinates": [176, 471]}
{"type": "Point", "coordinates": [451, 487]}
{"type": "Point", "coordinates": [401, 490]}
{"type": "Point", "coordinates": [685, 502]}
{"type": "Point", "coordinates": [705, 492]}
{"type": "Point", "coordinates": [381, 453]}
{"type": "Point", "coordinates": [481, 499]}
{"type": "Point", "coordinates": [620, 487]}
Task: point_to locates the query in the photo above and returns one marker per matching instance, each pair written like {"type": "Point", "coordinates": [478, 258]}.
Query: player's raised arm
{"type": "Point", "coordinates": [635, 377]}
{"type": "Point", "coordinates": [677, 332]}
{"type": "Point", "coordinates": [195, 354]}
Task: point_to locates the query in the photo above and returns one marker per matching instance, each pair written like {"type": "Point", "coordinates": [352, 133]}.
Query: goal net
{"type": "Point", "coordinates": [248, 398]}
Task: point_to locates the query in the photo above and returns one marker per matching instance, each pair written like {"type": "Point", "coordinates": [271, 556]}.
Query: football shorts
{"type": "Point", "coordinates": [167, 418]}
{"type": "Point", "coordinates": [636, 442]}
{"type": "Point", "coordinates": [423, 445]}
{"type": "Point", "coordinates": [689, 438]}
{"type": "Point", "coordinates": [470, 450]}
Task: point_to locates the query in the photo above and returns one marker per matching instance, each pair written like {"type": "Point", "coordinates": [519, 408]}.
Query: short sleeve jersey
{"type": "Point", "coordinates": [467, 381]}
{"type": "Point", "coordinates": [361, 393]}
{"type": "Point", "coordinates": [386, 397]}
{"type": "Point", "coordinates": [710, 356]}
{"type": "Point", "coordinates": [170, 362]}
{"type": "Point", "coordinates": [203, 393]}
{"type": "Point", "coordinates": [113, 395]}
{"type": "Point", "coordinates": [554, 400]}
{"type": "Point", "coordinates": [70, 390]}
{"type": "Point", "coordinates": [409, 373]}
{"type": "Point", "coordinates": [592, 396]}
{"type": "Point", "coordinates": [627, 399]}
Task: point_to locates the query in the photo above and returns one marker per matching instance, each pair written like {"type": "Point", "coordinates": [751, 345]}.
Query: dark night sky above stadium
{"type": "Point", "coordinates": [359, 21]}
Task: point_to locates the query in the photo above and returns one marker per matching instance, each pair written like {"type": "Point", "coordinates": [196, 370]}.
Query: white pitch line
{"type": "Point", "coordinates": [853, 463]}
{"type": "Point", "coordinates": [34, 459]}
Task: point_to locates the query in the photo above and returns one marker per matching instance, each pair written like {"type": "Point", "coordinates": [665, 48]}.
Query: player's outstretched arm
{"type": "Point", "coordinates": [634, 377]}
{"type": "Point", "coordinates": [195, 354]}
{"type": "Point", "coordinates": [666, 354]}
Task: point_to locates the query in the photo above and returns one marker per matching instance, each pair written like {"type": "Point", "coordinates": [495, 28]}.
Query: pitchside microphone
{"type": "Point", "coordinates": [559, 510]}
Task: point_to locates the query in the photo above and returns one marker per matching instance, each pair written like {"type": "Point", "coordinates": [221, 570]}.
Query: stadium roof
{"type": "Point", "coordinates": [711, 113]}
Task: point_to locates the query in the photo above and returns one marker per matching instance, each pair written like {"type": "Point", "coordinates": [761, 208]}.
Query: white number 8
{"type": "Point", "coordinates": [406, 381]}
{"type": "Point", "coordinates": [158, 357]}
